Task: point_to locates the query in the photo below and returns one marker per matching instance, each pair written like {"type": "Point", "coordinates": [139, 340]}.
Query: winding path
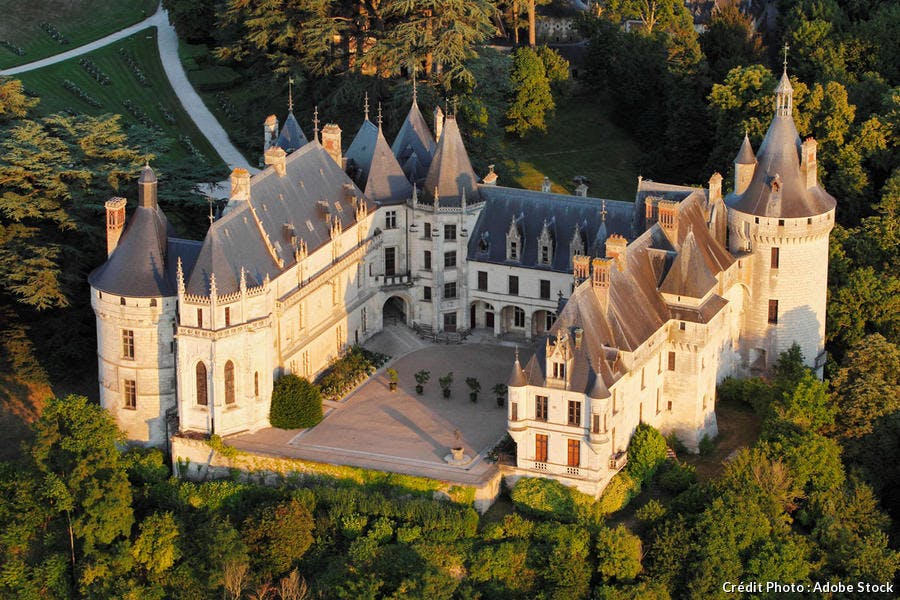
{"type": "Point", "coordinates": [167, 41]}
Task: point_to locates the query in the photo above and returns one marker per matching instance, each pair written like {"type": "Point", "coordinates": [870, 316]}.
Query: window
{"type": "Point", "coordinates": [669, 406]}
{"type": "Point", "coordinates": [781, 222]}
{"type": "Point", "coordinates": [540, 408]}
{"type": "Point", "coordinates": [152, 302]}
{"type": "Point", "coordinates": [774, 262]}
{"type": "Point", "coordinates": [518, 317]}
{"type": "Point", "coordinates": [426, 260]}
{"type": "Point", "coordinates": [122, 301]}
{"type": "Point", "coordinates": [427, 231]}
{"type": "Point", "coordinates": [390, 219]}
{"type": "Point", "coordinates": [202, 389]}
{"type": "Point", "coordinates": [449, 260]}
{"type": "Point", "coordinates": [574, 454]}
{"type": "Point", "coordinates": [482, 280]}
{"type": "Point", "coordinates": [548, 320]}
{"type": "Point", "coordinates": [545, 255]}
{"type": "Point", "coordinates": [426, 293]}
{"type": "Point", "coordinates": [229, 382]}
{"type": "Point", "coordinates": [671, 361]}
{"type": "Point", "coordinates": [574, 412]}
{"type": "Point", "coordinates": [595, 426]}
{"type": "Point", "coordinates": [449, 232]}
{"type": "Point", "coordinates": [513, 250]}
{"type": "Point", "coordinates": [227, 317]}
{"type": "Point", "coordinates": [682, 326]}
{"type": "Point", "coordinates": [540, 447]}
{"type": "Point", "coordinates": [128, 344]}
{"type": "Point", "coordinates": [559, 370]}
{"type": "Point", "coordinates": [129, 394]}
{"type": "Point", "coordinates": [514, 411]}
{"type": "Point", "coordinates": [450, 290]}
{"type": "Point", "coordinates": [643, 379]}
{"type": "Point", "coordinates": [256, 384]}
{"type": "Point", "coordinates": [773, 311]}
{"type": "Point", "coordinates": [513, 285]}
{"type": "Point", "coordinates": [545, 289]}
{"type": "Point", "coordinates": [450, 321]}
{"type": "Point", "coordinates": [657, 401]}
{"type": "Point", "coordinates": [200, 318]}
{"type": "Point", "coordinates": [390, 261]}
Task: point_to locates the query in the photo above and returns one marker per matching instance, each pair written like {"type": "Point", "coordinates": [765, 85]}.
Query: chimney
{"type": "Point", "coordinates": [615, 249]}
{"type": "Point", "coordinates": [147, 188]}
{"type": "Point", "coordinates": [581, 267]}
{"type": "Point", "coordinates": [115, 223]}
{"type": "Point", "coordinates": [600, 268]}
{"type": "Point", "coordinates": [668, 219]}
{"type": "Point", "coordinates": [579, 336]}
{"type": "Point", "coordinates": [581, 190]}
{"type": "Point", "coordinates": [270, 132]}
{"type": "Point", "coordinates": [240, 184]}
{"type": "Point", "coordinates": [651, 213]}
{"type": "Point", "coordinates": [808, 164]}
{"type": "Point", "coordinates": [438, 123]}
{"type": "Point", "coordinates": [545, 185]}
{"type": "Point", "coordinates": [275, 156]}
{"type": "Point", "coordinates": [491, 177]}
{"type": "Point", "coordinates": [331, 140]}
{"type": "Point", "coordinates": [715, 188]}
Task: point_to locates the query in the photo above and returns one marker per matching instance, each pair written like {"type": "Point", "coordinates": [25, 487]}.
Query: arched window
{"type": "Point", "coordinates": [202, 393]}
{"type": "Point", "coordinates": [229, 382]}
{"type": "Point", "coordinates": [256, 383]}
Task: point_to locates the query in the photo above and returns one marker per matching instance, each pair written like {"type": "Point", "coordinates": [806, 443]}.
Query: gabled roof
{"type": "Point", "coordinates": [451, 171]}
{"type": "Point", "coordinates": [291, 137]}
{"type": "Point", "coordinates": [689, 275]}
{"type": "Point", "coordinates": [414, 136]}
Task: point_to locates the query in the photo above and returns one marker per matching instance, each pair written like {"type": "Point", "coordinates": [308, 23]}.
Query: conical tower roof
{"type": "Point", "coordinates": [517, 376]}
{"type": "Point", "coordinates": [362, 149]}
{"type": "Point", "coordinates": [745, 155]}
{"type": "Point", "coordinates": [291, 137]}
{"type": "Point", "coordinates": [386, 182]}
{"type": "Point", "coordinates": [451, 171]}
{"type": "Point", "coordinates": [414, 137]}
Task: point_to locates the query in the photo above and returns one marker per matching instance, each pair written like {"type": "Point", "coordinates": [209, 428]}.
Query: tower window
{"type": "Point", "coordinates": [540, 447]}
{"type": "Point", "coordinates": [129, 393]}
{"type": "Point", "coordinates": [200, 318]}
{"type": "Point", "coordinates": [390, 219]}
{"type": "Point", "coordinates": [482, 280]}
{"type": "Point", "coordinates": [774, 262]}
{"type": "Point", "coordinates": [545, 289]}
{"type": "Point", "coordinates": [514, 411]}
{"type": "Point", "coordinates": [227, 317]}
{"type": "Point", "coordinates": [671, 361]}
{"type": "Point", "coordinates": [540, 408]}
{"type": "Point", "coordinates": [427, 231]}
{"type": "Point", "coordinates": [128, 344]}
{"type": "Point", "coordinates": [773, 311]}
{"type": "Point", "coordinates": [426, 293]}
{"type": "Point", "coordinates": [449, 260]}
{"type": "Point", "coordinates": [513, 285]}
{"type": "Point", "coordinates": [574, 413]}
{"type": "Point", "coordinates": [574, 454]}
{"type": "Point", "coordinates": [426, 262]}
{"type": "Point", "coordinates": [450, 290]}
{"type": "Point", "coordinates": [449, 232]}
{"type": "Point", "coordinates": [256, 384]}
{"type": "Point", "coordinates": [202, 390]}
{"type": "Point", "coordinates": [229, 382]}
{"type": "Point", "coordinates": [595, 428]}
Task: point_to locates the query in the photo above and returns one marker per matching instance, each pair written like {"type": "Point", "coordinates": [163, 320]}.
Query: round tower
{"type": "Point", "coordinates": [779, 219]}
{"type": "Point", "coordinates": [134, 303]}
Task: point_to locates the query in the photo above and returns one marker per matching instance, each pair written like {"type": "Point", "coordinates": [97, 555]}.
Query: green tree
{"type": "Point", "coordinates": [278, 536]}
{"type": "Point", "coordinates": [618, 554]}
{"type": "Point", "coordinates": [532, 98]}
{"type": "Point", "coordinates": [156, 548]}
{"type": "Point", "coordinates": [867, 386]}
{"type": "Point", "coordinates": [14, 104]}
{"type": "Point", "coordinates": [296, 403]}
{"type": "Point", "coordinates": [729, 41]}
{"type": "Point", "coordinates": [556, 68]}
{"type": "Point", "coordinates": [646, 452]}
{"type": "Point", "coordinates": [808, 405]}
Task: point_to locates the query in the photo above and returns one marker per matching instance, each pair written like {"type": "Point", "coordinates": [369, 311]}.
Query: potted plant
{"type": "Point", "coordinates": [457, 450]}
{"type": "Point", "coordinates": [393, 377]}
{"type": "Point", "coordinates": [445, 382]}
{"type": "Point", "coordinates": [500, 392]}
{"type": "Point", "coordinates": [474, 388]}
{"type": "Point", "coordinates": [422, 378]}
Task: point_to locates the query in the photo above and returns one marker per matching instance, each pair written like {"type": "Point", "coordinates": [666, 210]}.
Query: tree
{"type": "Point", "coordinates": [808, 406]}
{"type": "Point", "coordinates": [556, 68]}
{"type": "Point", "coordinates": [531, 94]}
{"type": "Point", "coordinates": [13, 101]}
{"type": "Point", "coordinates": [278, 536]}
{"type": "Point", "coordinates": [296, 403]}
{"type": "Point", "coordinates": [867, 386]}
{"type": "Point", "coordinates": [618, 554]}
{"type": "Point", "coordinates": [646, 452]}
{"type": "Point", "coordinates": [156, 548]}
{"type": "Point", "coordinates": [729, 41]}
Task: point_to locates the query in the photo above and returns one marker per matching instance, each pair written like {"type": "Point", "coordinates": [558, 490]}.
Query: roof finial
{"type": "Point", "coordinates": [210, 202]}
{"type": "Point", "coordinates": [316, 124]}
{"type": "Point", "coordinates": [379, 115]}
{"type": "Point", "coordinates": [603, 211]}
{"type": "Point", "coordinates": [415, 88]}
{"type": "Point", "coordinates": [366, 106]}
{"type": "Point", "coordinates": [517, 353]}
{"type": "Point", "coordinates": [786, 48]}
{"type": "Point", "coordinates": [291, 93]}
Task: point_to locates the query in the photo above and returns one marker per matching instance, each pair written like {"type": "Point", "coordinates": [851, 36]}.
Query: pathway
{"type": "Point", "coordinates": [167, 41]}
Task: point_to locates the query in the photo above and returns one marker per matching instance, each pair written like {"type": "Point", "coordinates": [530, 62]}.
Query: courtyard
{"type": "Point", "coordinates": [402, 431]}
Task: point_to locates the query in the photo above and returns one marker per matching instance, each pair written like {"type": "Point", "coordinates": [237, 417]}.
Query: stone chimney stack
{"type": "Point", "coordinates": [715, 188]}
{"type": "Point", "coordinates": [491, 177]}
{"type": "Point", "coordinates": [240, 184]}
{"type": "Point", "coordinates": [616, 246]}
{"type": "Point", "coordinates": [651, 214]}
{"type": "Point", "coordinates": [147, 188]}
{"type": "Point", "coordinates": [115, 223]}
{"type": "Point", "coordinates": [668, 219]}
{"type": "Point", "coordinates": [545, 185]}
{"type": "Point", "coordinates": [581, 190]}
{"type": "Point", "coordinates": [331, 140]}
{"type": "Point", "coordinates": [808, 165]}
{"type": "Point", "coordinates": [581, 267]}
{"type": "Point", "coordinates": [438, 123]}
{"type": "Point", "coordinates": [274, 156]}
{"type": "Point", "coordinates": [270, 132]}
{"type": "Point", "coordinates": [600, 268]}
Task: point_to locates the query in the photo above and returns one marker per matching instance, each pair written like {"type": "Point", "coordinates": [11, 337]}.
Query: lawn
{"type": "Point", "coordinates": [77, 21]}
{"type": "Point", "coordinates": [153, 102]}
{"type": "Point", "coordinates": [580, 140]}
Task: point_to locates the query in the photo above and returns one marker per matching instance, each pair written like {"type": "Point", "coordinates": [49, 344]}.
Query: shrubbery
{"type": "Point", "coordinates": [348, 371]}
{"type": "Point", "coordinates": [646, 452]}
{"type": "Point", "coordinates": [550, 499]}
{"type": "Point", "coordinates": [296, 403]}
{"type": "Point", "coordinates": [621, 489]}
{"type": "Point", "coordinates": [215, 78]}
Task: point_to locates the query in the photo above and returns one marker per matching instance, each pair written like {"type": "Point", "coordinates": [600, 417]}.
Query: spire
{"type": "Point", "coordinates": [366, 106]}
{"type": "Point", "coordinates": [379, 115]}
{"type": "Point", "coordinates": [415, 87]}
{"type": "Point", "coordinates": [517, 377]}
{"type": "Point", "coordinates": [745, 155]}
{"type": "Point", "coordinates": [290, 94]}
{"type": "Point", "coordinates": [316, 124]}
{"type": "Point", "coordinates": [784, 93]}
{"type": "Point", "coordinates": [603, 211]}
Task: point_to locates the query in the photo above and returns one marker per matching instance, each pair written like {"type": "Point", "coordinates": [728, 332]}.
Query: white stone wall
{"type": "Point", "coordinates": [152, 368]}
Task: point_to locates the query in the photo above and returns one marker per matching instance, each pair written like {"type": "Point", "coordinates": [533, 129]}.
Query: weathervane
{"type": "Point", "coordinates": [786, 48]}
{"type": "Point", "coordinates": [603, 211]}
{"type": "Point", "coordinates": [415, 89]}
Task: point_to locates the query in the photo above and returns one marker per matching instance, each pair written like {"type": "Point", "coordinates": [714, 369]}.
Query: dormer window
{"type": "Point", "coordinates": [576, 246]}
{"type": "Point", "coordinates": [545, 243]}
{"type": "Point", "coordinates": [513, 242]}
{"type": "Point", "coordinates": [559, 370]}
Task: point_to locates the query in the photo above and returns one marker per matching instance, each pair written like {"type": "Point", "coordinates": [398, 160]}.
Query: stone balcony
{"type": "Point", "coordinates": [394, 282]}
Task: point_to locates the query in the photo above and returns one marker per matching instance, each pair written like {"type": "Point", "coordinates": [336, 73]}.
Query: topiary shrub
{"type": "Point", "coordinates": [296, 403]}
{"type": "Point", "coordinates": [646, 452]}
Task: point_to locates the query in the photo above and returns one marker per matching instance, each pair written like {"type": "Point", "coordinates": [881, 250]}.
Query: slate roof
{"type": "Point", "coordinates": [532, 208]}
{"type": "Point", "coordinates": [451, 171]}
{"type": "Point", "coordinates": [689, 274]}
{"type": "Point", "coordinates": [375, 168]}
{"type": "Point", "coordinates": [745, 155]}
{"type": "Point", "coordinates": [291, 137]}
{"type": "Point", "coordinates": [313, 186]}
{"type": "Point", "coordinates": [414, 137]}
{"type": "Point", "coordinates": [360, 151]}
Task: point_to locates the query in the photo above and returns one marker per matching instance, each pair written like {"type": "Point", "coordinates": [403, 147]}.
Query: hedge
{"type": "Point", "coordinates": [296, 403]}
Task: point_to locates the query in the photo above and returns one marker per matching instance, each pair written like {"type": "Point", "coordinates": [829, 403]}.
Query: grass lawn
{"type": "Point", "coordinates": [580, 140]}
{"type": "Point", "coordinates": [79, 21]}
{"type": "Point", "coordinates": [151, 99]}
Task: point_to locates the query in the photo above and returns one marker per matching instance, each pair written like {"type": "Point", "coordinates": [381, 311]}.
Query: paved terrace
{"type": "Point", "coordinates": [401, 431]}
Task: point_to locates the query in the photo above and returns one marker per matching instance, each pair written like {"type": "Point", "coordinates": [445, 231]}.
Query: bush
{"type": "Point", "coordinates": [349, 370]}
{"type": "Point", "coordinates": [215, 78]}
{"type": "Point", "coordinates": [706, 445]}
{"type": "Point", "coordinates": [621, 489]}
{"type": "Point", "coordinates": [296, 403]}
{"type": "Point", "coordinates": [678, 477]}
{"type": "Point", "coordinates": [618, 554]}
{"type": "Point", "coordinates": [651, 513]}
{"type": "Point", "coordinates": [408, 534]}
{"type": "Point", "coordinates": [754, 392]}
{"type": "Point", "coordinates": [544, 498]}
{"type": "Point", "coordinates": [646, 452]}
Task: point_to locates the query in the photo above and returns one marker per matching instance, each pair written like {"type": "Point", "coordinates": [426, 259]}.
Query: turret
{"type": "Point", "coordinates": [147, 188]}
{"type": "Point", "coordinates": [744, 166]}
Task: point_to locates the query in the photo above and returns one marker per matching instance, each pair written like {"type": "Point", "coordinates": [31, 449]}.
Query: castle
{"type": "Point", "coordinates": [637, 309]}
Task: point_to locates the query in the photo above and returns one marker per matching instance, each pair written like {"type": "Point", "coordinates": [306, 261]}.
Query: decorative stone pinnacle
{"type": "Point", "coordinates": [316, 124]}
{"type": "Point", "coordinates": [786, 48]}
{"type": "Point", "coordinates": [379, 115]}
{"type": "Point", "coordinates": [366, 106]}
{"type": "Point", "coordinates": [603, 211]}
{"type": "Point", "coordinates": [290, 94]}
